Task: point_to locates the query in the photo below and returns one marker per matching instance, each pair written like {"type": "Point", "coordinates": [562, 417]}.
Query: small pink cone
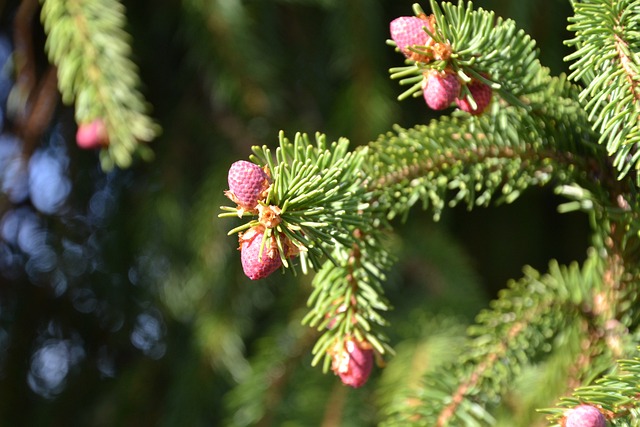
{"type": "Point", "coordinates": [352, 362]}
{"type": "Point", "coordinates": [408, 31]}
{"type": "Point", "coordinates": [481, 95]}
{"type": "Point", "coordinates": [440, 89]}
{"type": "Point", "coordinates": [256, 266]}
{"type": "Point", "coordinates": [585, 416]}
{"type": "Point", "coordinates": [92, 135]}
{"type": "Point", "coordinates": [247, 181]}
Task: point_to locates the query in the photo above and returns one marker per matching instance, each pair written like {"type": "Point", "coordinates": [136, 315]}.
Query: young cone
{"type": "Point", "coordinates": [254, 265]}
{"type": "Point", "coordinates": [481, 95]}
{"type": "Point", "coordinates": [247, 183]}
{"type": "Point", "coordinates": [92, 135]}
{"type": "Point", "coordinates": [408, 31]}
{"type": "Point", "coordinates": [352, 362]}
{"type": "Point", "coordinates": [440, 89]}
{"type": "Point", "coordinates": [585, 416]}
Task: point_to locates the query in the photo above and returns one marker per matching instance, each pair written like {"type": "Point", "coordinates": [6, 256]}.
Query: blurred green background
{"type": "Point", "coordinates": [122, 300]}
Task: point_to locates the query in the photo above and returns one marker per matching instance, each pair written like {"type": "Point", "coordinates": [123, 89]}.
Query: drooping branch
{"type": "Point", "coordinates": [606, 61]}
{"type": "Point", "coordinates": [87, 42]}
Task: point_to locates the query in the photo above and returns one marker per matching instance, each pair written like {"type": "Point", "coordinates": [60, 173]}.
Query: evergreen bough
{"type": "Point", "coordinates": [578, 134]}
{"type": "Point", "coordinates": [336, 205]}
{"type": "Point", "coordinates": [86, 40]}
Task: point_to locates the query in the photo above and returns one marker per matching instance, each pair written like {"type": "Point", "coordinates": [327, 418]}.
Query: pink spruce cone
{"type": "Point", "coordinates": [92, 135]}
{"type": "Point", "coordinates": [352, 362]}
{"type": "Point", "coordinates": [247, 182]}
{"type": "Point", "coordinates": [256, 266]}
{"type": "Point", "coordinates": [408, 31]}
{"type": "Point", "coordinates": [440, 89]}
{"type": "Point", "coordinates": [585, 416]}
{"type": "Point", "coordinates": [481, 95]}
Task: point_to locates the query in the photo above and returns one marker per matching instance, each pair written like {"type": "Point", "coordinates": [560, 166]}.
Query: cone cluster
{"type": "Point", "coordinates": [440, 87]}
{"type": "Point", "coordinates": [260, 255]}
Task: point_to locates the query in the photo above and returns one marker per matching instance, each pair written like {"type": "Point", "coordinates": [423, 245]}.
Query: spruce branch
{"type": "Point", "coordinates": [321, 206]}
{"type": "Point", "coordinates": [615, 394]}
{"type": "Point", "coordinates": [318, 194]}
{"type": "Point", "coordinates": [612, 212]}
{"type": "Point", "coordinates": [523, 325]}
{"type": "Point", "coordinates": [348, 297]}
{"type": "Point", "coordinates": [86, 40]}
{"type": "Point", "coordinates": [334, 203]}
{"type": "Point", "coordinates": [331, 208]}
{"type": "Point", "coordinates": [606, 60]}
{"type": "Point", "coordinates": [482, 47]}
{"type": "Point", "coordinates": [503, 152]}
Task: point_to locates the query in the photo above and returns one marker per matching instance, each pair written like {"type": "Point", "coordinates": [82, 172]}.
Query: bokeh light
{"type": "Point", "coordinates": [49, 185]}
{"type": "Point", "coordinates": [52, 361]}
{"type": "Point", "coordinates": [148, 334]}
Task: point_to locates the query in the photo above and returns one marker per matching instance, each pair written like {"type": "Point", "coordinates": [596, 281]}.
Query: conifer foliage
{"type": "Point", "coordinates": [332, 208]}
{"type": "Point", "coordinates": [88, 44]}
{"type": "Point", "coordinates": [558, 346]}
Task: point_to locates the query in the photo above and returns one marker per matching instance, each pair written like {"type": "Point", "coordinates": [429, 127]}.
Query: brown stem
{"type": "Point", "coordinates": [40, 98]}
{"type": "Point", "coordinates": [476, 375]}
{"type": "Point", "coordinates": [24, 57]}
{"type": "Point", "coordinates": [41, 110]}
{"type": "Point", "coordinates": [632, 77]}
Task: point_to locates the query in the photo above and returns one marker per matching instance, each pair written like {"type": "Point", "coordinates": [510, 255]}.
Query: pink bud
{"type": "Point", "coordinates": [92, 135]}
{"type": "Point", "coordinates": [585, 416]}
{"type": "Point", "coordinates": [408, 31]}
{"type": "Point", "coordinates": [440, 89]}
{"type": "Point", "coordinates": [254, 265]}
{"type": "Point", "coordinates": [247, 181]}
{"type": "Point", "coordinates": [481, 95]}
{"type": "Point", "coordinates": [352, 362]}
